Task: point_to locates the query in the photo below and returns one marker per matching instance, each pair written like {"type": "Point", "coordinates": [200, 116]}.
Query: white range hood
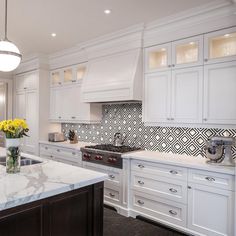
{"type": "Point", "coordinates": [114, 78]}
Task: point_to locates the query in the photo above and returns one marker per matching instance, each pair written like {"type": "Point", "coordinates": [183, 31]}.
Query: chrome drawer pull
{"type": "Point", "coordinates": [73, 153]}
{"type": "Point", "coordinates": [46, 148]}
{"type": "Point", "coordinates": [141, 182]}
{"type": "Point", "coordinates": [174, 213]}
{"type": "Point", "coordinates": [173, 190]}
{"type": "Point", "coordinates": [140, 202]}
{"type": "Point", "coordinates": [140, 166]}
{"type": "Point", "coordinates": [112, 194]}
{"type": "Point", "coordinates": [173, 172]}
{"type": "Point", "coordinates": [112, 176]}
{"type": "Point", "coordinates": [210, 179]}
{"type": "Point", "coordinates": [58, 150]}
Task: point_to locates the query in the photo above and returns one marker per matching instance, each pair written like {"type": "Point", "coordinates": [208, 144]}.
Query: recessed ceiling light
{"type": "Point", "coordinates": [107, 11]}
{"type": "Point", "coordinates": [227, 35]}
{"type": "Point", "coordinates": [53, 34]}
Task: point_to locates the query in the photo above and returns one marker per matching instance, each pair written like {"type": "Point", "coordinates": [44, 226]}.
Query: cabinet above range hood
{"type": "Point", "coordinates": [114, 78]}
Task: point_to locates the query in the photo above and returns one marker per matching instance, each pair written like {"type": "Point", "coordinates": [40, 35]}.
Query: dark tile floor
{"type": "Point", "coordinates": [117, 225]}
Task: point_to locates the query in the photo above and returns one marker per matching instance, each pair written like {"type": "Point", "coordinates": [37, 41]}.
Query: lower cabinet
{"type": "Point", "coordinates": [78, 212]}
{"type": "Point", "coordinates": [210, 210]}
{"type": "Point", "coordinates": [195, 201]}
{"type": "Point", "coordinates": [64, 155]}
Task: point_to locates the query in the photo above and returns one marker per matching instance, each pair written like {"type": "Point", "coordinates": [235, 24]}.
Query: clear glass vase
{"type": "Point", "coordinates": [13, 155]}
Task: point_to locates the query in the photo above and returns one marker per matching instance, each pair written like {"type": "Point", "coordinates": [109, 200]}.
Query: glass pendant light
{"type": "Point", "coordinates": [10, 56]}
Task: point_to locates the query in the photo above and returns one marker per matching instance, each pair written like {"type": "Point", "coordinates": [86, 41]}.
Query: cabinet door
{"type": "Point", "coordinates": [187, 86]}
{"type": "Point", "coordinates": [56, 99]}
{"type": "Point", "coordinates": [220, 46]}
{"type": "Point", "coordinates": [158, 58]}
{"type": "Point", "coordinates": [31, 107]}
{"type": "Point", "coordinates": [69, 75]}
{"type": "Point", "coordinates": [210, 210]}
{"type": "Point", "coordinates": [187, 52]}
{"type": "Point", "coordinates": [219, 93]}
{"type": "Point", "coordinates": [20, 105]}
{"type": "Point", "coordinates": [56, 78]}
{"type": "Point", "coordinates": [20, 82]}
{"type": "Point", "coordinates": [31, 80]}
{"type": "Point", "coordinates": [157, 94]}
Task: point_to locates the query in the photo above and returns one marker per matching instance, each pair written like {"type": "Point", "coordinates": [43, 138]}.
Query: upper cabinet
{"type": "Point", "coordinates": [158, 58]}
{"type": "Point", "coordinates": [187, 52]}
{"type": "Point", "coordinates": [194, 84]}
{"type": "Point", "coordinates": [67, 76]}
{"type": "Point", "coordinates": [220, 46]}
{"type": "Point", "coordinates": [66, 97]}
{"type": "Point", "coordinates": [26, 81]}
{"type": "Point", "coordinates": [178, 54]}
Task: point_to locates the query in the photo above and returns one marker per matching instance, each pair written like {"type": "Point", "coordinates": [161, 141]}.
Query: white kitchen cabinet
{"type": "Point", "coordinates": [157, 97]}
{"type": "Point", "coordinates": [66, 106]}
{"type": "Point", "coordinates": [26, 81]}
{"type": "Point", "coordinates": [187, 52]}
{"type": "Point", "coordinates": [31, 102]}
{"type": "Point", "coordinates": [219, 93]}
{"type": "Point", "coordinates": [187, 92]}
{"type": "Point", "coordinates": [158, 58]}
{"type": "Point", "coordinates": [210, 210]}
{"type": "Point", "coordinates": [220, 46]}
{"type": "Point", "coordinates": [174, 96]}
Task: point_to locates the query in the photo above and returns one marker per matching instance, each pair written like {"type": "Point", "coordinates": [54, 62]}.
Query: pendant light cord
{"type": "Point", "coordinates": [5, 20]}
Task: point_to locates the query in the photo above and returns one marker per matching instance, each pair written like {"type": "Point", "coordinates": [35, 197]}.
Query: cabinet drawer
{"type": "Point", "coordinates": [159, 169]}
{"type": "Point", "coordinates": [114, 174]}
{"type": "Point", "coordinates": [159, 208]}
{"type": "Point", "coordinates": [46, 149]}
{"type": "Point", "coordinates": [111, 195]}
{"type": "Point", "coordinates": [174, 190]}
{"type": "Point", "coordinates": [211, 179]}
{"type": "Point", "coordinates": [66, 154]}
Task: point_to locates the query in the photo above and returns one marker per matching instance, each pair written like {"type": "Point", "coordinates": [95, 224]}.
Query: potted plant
{"type": "Point", "coordinates": [14, 130]}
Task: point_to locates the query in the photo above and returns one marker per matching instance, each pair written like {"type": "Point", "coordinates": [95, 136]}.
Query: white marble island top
{"type": "Point", "coordinates": [42, 180]}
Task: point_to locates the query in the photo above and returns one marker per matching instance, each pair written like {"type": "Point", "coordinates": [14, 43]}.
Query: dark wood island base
{"type": "Point", "coordinates": [75, 213]}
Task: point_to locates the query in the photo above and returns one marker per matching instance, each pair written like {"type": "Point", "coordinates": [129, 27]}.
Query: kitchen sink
{"type": "Point", "coordinates": [24, 161]}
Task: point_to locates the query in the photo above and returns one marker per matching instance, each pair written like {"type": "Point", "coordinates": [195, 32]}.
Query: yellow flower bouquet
{"type": "Point", "coordinates": [14, 130]}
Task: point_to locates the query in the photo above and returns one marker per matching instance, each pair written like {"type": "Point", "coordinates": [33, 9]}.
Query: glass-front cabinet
{"type": "Point", "coordinates": [187, 52]}
{"type": "Point", "coordinates": [68, 75]}
{"type": "Point", "coordinates": [56, 78]}
{"type": "Point", "coordinates": [158, 58]}
{"type": "Point", "coordinates": [220, 46]}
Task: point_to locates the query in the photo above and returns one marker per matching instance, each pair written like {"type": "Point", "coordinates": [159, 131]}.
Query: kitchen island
{"type": "Point", "coordinates": [51, 198]}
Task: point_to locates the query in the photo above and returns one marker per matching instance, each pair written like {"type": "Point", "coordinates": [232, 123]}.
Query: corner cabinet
{"type": "Point", "coordinates": [192, 81]}
{"type": "Point", "coordinates": [65, 98]}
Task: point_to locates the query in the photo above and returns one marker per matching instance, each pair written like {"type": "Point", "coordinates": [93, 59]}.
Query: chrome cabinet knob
{"type": "Point", "coordinates": [112, 194]}
{"type": "Point", "coordinates": [210, 179]}
{"type": "Point", "coordinates": [206, 60]}
{"type": "Point", "coordinates": [141, 182]}
{"type": "Point", "coordinates": [174, 213]}
{"type": "Point", "coordinates": [173, 190]}
{"type": "Point", "coordinates": [140, 202]}
{"type": "Point", "coordinates": [173, 172]}
{"type": "Point", "coordinates": [112, 176]}
{"type": "Point", "coordinates": [141, 166]}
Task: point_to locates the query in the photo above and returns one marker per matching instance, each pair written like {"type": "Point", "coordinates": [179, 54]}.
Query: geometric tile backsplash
{"type": "Point", "coordinates": [127, 119]}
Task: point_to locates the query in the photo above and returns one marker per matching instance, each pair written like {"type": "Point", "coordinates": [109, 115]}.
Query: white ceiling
{"type": "Point", "coordinates": [31, 22]}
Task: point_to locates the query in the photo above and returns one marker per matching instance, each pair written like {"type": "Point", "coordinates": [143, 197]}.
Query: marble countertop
{"type": "Point", "coordinates": [178, 160]}
{"type": "Point", "coordinates": [67, 144]}
{"type": "Point", "coordinates": [42, 180]}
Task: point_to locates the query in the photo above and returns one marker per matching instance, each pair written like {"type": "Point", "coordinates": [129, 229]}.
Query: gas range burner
{"type": "Point", "coordinates": [112, 148]}
{"type": "Point", "coordinates": [106, 154]}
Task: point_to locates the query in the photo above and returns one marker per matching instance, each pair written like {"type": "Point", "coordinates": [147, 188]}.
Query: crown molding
{"type": "Point", "coordinates": [6, 75]}
{"type": "Point", "coordinates": [196, 21]}
{"type": "Point", "coordinates": [32, 62]}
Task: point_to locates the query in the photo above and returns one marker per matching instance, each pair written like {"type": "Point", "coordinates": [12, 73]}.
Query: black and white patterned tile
{"type": "Point", "coordinates": [127, 119]}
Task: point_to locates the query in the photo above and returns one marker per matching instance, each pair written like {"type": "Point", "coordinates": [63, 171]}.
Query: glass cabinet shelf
{"type": "Point", "coordinates": [55, 78]}
{"type": "Point", "coordinates": [222, 46]}
{"type": "Point", "coordinates": [80, 72]}
{"type": "Point", "coordinates": [157, 58]}
{"type": "Point", "coordinates": [68, 75]}
{"type": "Point", "coordinates": [187, 53]}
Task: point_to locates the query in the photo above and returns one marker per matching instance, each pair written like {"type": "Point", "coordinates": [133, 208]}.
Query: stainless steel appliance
{"type": "Point", "coordinates": [218, 151]}
{"type": "Point", "coordinates": [106, 154]}
{"type": "Point", "coordinates": [56, 137]}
